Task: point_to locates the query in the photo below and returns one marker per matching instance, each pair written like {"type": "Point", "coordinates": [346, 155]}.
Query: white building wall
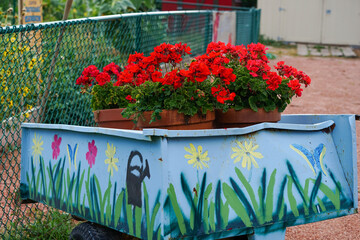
{"type": "Point", "coordinates": [314, 21]}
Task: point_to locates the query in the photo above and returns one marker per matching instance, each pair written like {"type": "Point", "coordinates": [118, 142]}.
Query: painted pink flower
{"type": "Point", "coordinates": [55, 145]}
{"type": "Point", "coordinates": [91, 154]}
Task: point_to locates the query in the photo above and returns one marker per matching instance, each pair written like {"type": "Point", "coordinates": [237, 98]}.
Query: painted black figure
{"type": "Point", "coordinates": [136, 172]}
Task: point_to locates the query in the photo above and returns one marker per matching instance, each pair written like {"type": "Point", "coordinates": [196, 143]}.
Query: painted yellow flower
{"type": "Point", "coordinates": [247, 154]}
{"type": "Point", "coordinates": [37, 147]}
{"type": "Point", "coordinates": [196, 157]}
{"type": "Point", "coordinates": [111, 160]}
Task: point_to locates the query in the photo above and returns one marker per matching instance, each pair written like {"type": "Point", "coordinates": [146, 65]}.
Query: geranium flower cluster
{"type": "Point", "coordinates": [227, 76]}
{"type": "Point", "coordinates": [92, 76]}
{"type": "Point", "coordinates": [141, 69]}
{"type": "Point", "coordinates": [253, 58]}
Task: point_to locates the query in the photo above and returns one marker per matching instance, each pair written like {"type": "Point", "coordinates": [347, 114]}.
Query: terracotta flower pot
{"type": "Point", "coordinates": [245, 117]}
{"type": "Point", "coordinates": [112, 118]}
{"type": "Point", "coordinates": [172, 120]}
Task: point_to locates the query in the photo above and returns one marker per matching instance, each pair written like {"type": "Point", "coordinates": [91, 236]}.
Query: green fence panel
{"type": "Point", "coordinates": [247, 26]}
{"type": "Point", "coordinates": [40, 63]}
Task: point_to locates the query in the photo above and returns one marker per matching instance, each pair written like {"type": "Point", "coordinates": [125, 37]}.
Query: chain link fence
{"type": "Point", "coordinates": [38, 68]}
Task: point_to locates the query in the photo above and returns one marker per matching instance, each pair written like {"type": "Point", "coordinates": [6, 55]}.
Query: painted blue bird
{"type": "Point", "coordinates": [313, 159]}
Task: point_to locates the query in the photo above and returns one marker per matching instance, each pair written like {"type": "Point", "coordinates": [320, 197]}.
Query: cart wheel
{"type": "Point", "coordinates": [91, 231]}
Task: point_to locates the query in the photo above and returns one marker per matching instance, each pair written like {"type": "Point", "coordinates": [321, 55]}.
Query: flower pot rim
{"type": "Point", "coordinates": [247, 115]}
{"type": "Point", "coordinates": [174, 118]}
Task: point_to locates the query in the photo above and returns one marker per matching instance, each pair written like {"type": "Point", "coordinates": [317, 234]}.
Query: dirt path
{"type": "Point", "coordinates": [335, 89]}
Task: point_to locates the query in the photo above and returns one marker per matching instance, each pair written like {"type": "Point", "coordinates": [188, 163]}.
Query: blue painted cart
{"type": "Point", "coordinates": [196, 184]}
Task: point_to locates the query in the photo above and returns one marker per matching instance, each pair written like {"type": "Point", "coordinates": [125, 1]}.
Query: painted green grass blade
{"type": "Point", "coordinates": [250, 192]}
{"type": "Point", "coordinates": [106, 201]}
{"type": "Point", "coordinates": [37, 183]}
{"type": "Point", "coordinates": [78, 191]}
{"type": "Point", "coordinates": [102, 199]}
{"type": "Point", "coordinates": [263, 194]}
{"type": "Point", "coordinates": [108, 214]}
{"type": "Point", "coordinates": [193, 211]}
{"type": "Point", "coordinates": [206, 208]}
{"type": "Point", "coordinates": [118, 207]}
{"type": "Point", "coordinates": [321, 204]}
{"type": "Point", "coordinates": [292, 200]}
{"type": "Point", "coordinates": [159, 234]}
{"type": "Point", "coordinates": [212, 216]}
{"type": "Point", "coordinates": [306, 189]}
{"type": "Point", "coordinates": [333, 197]}
{"type": "Point", "coordinates": [176, 208]}
{"type": "Point", "coordinates": [200, 202]}
{"type": "Point", "coordinates": [129, 215]}
{"type": "Point", "coordinates": [153, 216]}
{"type": "Point", "coordinates": [77, 185]}
{"type": "Point", "coordinates": [297, 183]}
{"type": "Point", "coordinates": [33, 178]}
{"type": "Point", "coordinates": [150, 222]}
{"type": "Point", "coordinates": [269, 202]}
{"type": "Point", "coordinates": [189, 198]}
{"type": "Point", "coordinates": [218, 205]}
{"type": "Point", "coordinates": [224, 212]}
{"type": "Point", "coordinates": [95, 200]}
{"type": "Point", "coordinates": [243, 199]}
{"type": "Point", "coordinates": [28, 180]}
{"type": "Point", "coordinates": [42, 170]}
{"type": "Point", "coordinates": [138, 215]}
{"type": "Point", "coordinates": [260, 211]}
{"type": "Point", "coordinates": [89, 195]}
{"type": "Point", "coordinates": [70, 185]}
{"type": "Point", "coordinates": [68, 180]}
{"type": "Point", "coordinates": [147, 212]}
{"type": "Point", "coordinates": [315, 190]}
{"type": "Point", "coordinates": [280, 204]}
{"type": "Point", "coordinates": [236, 204]}
{"type": "Point", "coordinates": [114, 205]}
{"type": "Point", "coordinates": [52, 183]}
{"type": "Point", "coordinates": [61, 181]}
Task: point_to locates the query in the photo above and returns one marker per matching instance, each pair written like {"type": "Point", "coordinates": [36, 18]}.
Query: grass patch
{"type": "Point", "coordinates": [53, 224]}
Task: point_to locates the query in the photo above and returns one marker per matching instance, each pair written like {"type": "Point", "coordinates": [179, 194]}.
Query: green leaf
{"type": "Point", "coordinates": [252, 103]}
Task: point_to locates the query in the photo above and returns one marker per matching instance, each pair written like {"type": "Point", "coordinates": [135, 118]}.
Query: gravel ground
{"type": "Point", "coordinates": [335, 89]}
